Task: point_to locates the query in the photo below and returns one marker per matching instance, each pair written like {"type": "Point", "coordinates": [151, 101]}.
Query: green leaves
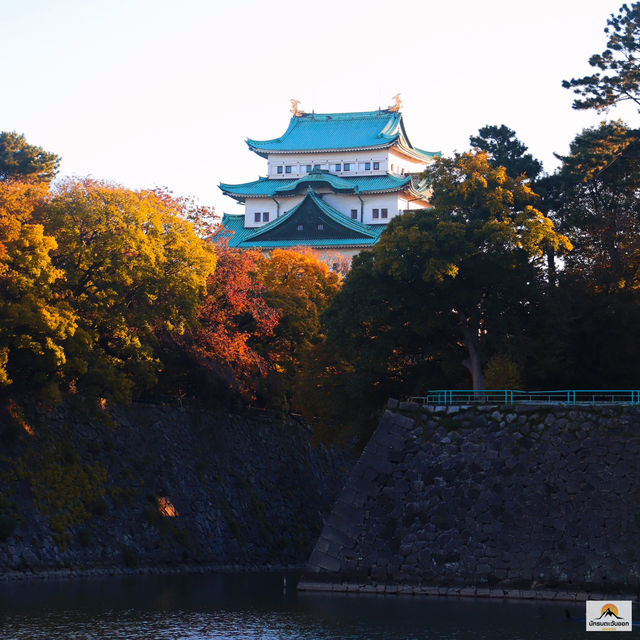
{"type": "Point", "coordinates": [595, 197]}
{"type": "Point", "coordinates": [618, 78]}
{"type": "Point", "coordinates": [133, 267]}
{"type": "Point", "coordinates": [501, 143]}
{"type": "Point", "coordinates": [23, 161]}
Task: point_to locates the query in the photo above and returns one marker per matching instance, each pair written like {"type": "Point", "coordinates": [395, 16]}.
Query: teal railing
{"type": "Point", "coordinates": [569, 397]}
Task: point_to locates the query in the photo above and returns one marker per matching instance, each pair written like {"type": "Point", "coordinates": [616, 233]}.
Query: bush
{"type": "Point", "coordinates": [100, 507]}
{"type": "Point", "coordinates": [8, 525]}
{"type": "Point", "coordinates": [84, 537]}
{"type": "Point", "coordinates": [129, 556]}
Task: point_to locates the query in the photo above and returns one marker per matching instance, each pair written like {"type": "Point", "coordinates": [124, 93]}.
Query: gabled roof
{"type": "Point", "coordinates": [265, 187]}
{"type": "Point", "coordinates": [317, 132]}
{"type": "Point", "coordinates": [312, 223]}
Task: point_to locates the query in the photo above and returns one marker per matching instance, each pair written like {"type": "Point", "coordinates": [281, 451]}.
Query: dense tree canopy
{"type": "Point", "coordinates": [234, 319]}
{"type": "Point", "coordinates": [450, 282]}
{"type": "Point", "coordinates": [617, 78]}
{"type": "Point", "coordinates": [133, 267]}
{"type": "Point", "coordinates": [34, 322]}
{"type": "Point", "coordinates": [24, 161]}
{"type": "Point", "coordinates": [300, 288]}
{"type": "Point", "coordinates": [506, 151]}
{"type": "Point", "coordinates": [595, 198]}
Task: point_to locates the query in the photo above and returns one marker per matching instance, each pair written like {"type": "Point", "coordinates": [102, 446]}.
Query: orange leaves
{"type": "Point", "coordinates": [234, 317]}
{"type": "Point", "coordinates": [260, 314]}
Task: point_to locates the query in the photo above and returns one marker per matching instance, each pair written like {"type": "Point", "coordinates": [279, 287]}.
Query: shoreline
{"type": "Point", "coordinates": [311, 586]}
{"type": "Point", "coordinates": [461, 592]}
{"type": "Point", "coordinates": [107, 572]}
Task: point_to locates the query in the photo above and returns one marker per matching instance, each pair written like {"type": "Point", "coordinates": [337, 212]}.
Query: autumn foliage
{"type": "Point", "coordinates": [122, 294]}
{"type": "Point", "coordinates": [234, 319]}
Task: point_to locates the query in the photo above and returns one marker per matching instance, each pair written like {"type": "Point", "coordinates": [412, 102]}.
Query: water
{"type": "Point", "coordinates": [247, 607]}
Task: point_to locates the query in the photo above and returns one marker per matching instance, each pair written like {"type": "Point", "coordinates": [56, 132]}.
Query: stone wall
{"type": "Point", "coordinates": [523, 497]}
{"type": "Point", "coordinates": [85, 488]}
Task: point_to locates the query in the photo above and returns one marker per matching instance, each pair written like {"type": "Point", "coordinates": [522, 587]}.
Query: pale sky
{"type": "Point", "coordinates": [155, 93]}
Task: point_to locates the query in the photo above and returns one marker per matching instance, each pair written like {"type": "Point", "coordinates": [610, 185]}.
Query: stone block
{"type": "Point", "coordinates": [327, 563]}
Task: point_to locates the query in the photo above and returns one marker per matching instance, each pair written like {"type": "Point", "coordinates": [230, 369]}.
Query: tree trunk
{"type": "Point", "coordinates": [552, 274]}
{"type": "Point", "coordinates": [473, 364]}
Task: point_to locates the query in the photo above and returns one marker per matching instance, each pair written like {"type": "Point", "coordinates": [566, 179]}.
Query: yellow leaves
{"type": "Point", "coordinates": [5, 380]}
{"type": "Point", "coordinates": [495, 208]}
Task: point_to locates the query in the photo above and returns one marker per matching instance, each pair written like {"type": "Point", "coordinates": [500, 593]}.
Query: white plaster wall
{"type": "Point", "coordinates": [343, 203]}
{"type": "Point", "coordinates": [286, 204]}
{"type": "Point", "coordinates": [258, 204]}
{"type": "Point", "coordinates": [327, 161]}
{"type": "Point", "coordinates": [390, 201]}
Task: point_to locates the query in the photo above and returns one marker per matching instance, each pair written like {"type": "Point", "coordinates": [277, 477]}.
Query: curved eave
{"type": "Point", "coordinates": [414, 196]}
{"type": "Point", "coordinates": [404, 147]}
{"type": "Point", "coordinates": [318, 244]}
{"type": "Point", "coordinates": [291, 187]}
{"type": "Point", "coordinates": [264, 153]}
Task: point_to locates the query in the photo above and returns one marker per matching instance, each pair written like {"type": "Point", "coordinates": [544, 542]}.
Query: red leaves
{"type": "Point", "coordinates": [235, 318]}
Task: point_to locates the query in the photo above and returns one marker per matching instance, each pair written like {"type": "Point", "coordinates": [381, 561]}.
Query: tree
{"type": "Point", "coordinates": [24, 161]}
{"type": "Point", "coordinates": [618, 76]}
{"type": "Point", "coordinates": [383, 340]}
{"type": "Point", "coordinates": [596, 200]}
{"type": "Point", "coordinates": [507, 151]}
{"type": "Point", "coordinates": [260, 316]}
{"type": "Point", "coordinates": [134, 269]}
{"type": "Point", "coordinates": [234, 323]}
{"type": "Point", "coordinates": [34, 322]}
{"type": "Point", "coordinates": [461, 275]}
{"type": "Point", "coordinates": [300, 288]}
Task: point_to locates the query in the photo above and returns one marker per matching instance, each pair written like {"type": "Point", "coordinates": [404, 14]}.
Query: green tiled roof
{"type": "Point", "coordinates": [340, 232]}
{"type": "Point", "coordinates": [265, 187]}
{"type": "Point", "coordinates": [338, 131]}
{"type": "Point", "coordinates": [259, 187]}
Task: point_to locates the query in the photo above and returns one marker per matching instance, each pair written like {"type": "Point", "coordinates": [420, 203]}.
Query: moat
{"type": "Point", "coordinates": [244, 606]}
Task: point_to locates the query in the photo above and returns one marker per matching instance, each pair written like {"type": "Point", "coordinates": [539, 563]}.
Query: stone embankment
{"type": "Point", "coordinates": [504, 499]}
{"type": "Point", "coordinates": [85, 490]}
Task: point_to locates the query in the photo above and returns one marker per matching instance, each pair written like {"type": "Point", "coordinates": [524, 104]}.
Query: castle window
{"type": "Point", "coordinates": [265, 216]}
{"type": "Point", "coordinates": [338, 167]}
{"type": "Point", "coordinates": [376, 213]}
{"type": "Point", "coordinates": [279, 169]}
{"type": "Point", "coordinates": [309, 168]}
{"type": "Point", "coordinates": [347, 166]}
{"type": "Point", "coordinates": [320, 227]}
{"type": "Point", "coordinates": [300, 227]}
{"type": "Point", "coordinates": [354, 214]}
{"type": "Point", "coordinates": [384, 213]}
{"type": "Point", "coordinates": [376, 166]}
{"type": "Point", "coordinates": [287, 169]}
{"type": "Point", "coordinates": [367, 166]}
{"type": "Point", "coordinates": [256, 216]}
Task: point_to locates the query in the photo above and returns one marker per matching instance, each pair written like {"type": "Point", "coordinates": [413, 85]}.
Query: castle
{"type": "Point", "coordinates": [334, 181]}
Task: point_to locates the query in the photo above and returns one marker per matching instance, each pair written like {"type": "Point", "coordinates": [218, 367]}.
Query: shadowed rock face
{"type": "Point", "coordinates": [494, 496]}
{"type": "Point", "coordinates": [148, 485]}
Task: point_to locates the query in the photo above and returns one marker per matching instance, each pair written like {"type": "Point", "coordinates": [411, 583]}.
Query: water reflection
{"type": "Point", "coordinates": [248, 607]}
